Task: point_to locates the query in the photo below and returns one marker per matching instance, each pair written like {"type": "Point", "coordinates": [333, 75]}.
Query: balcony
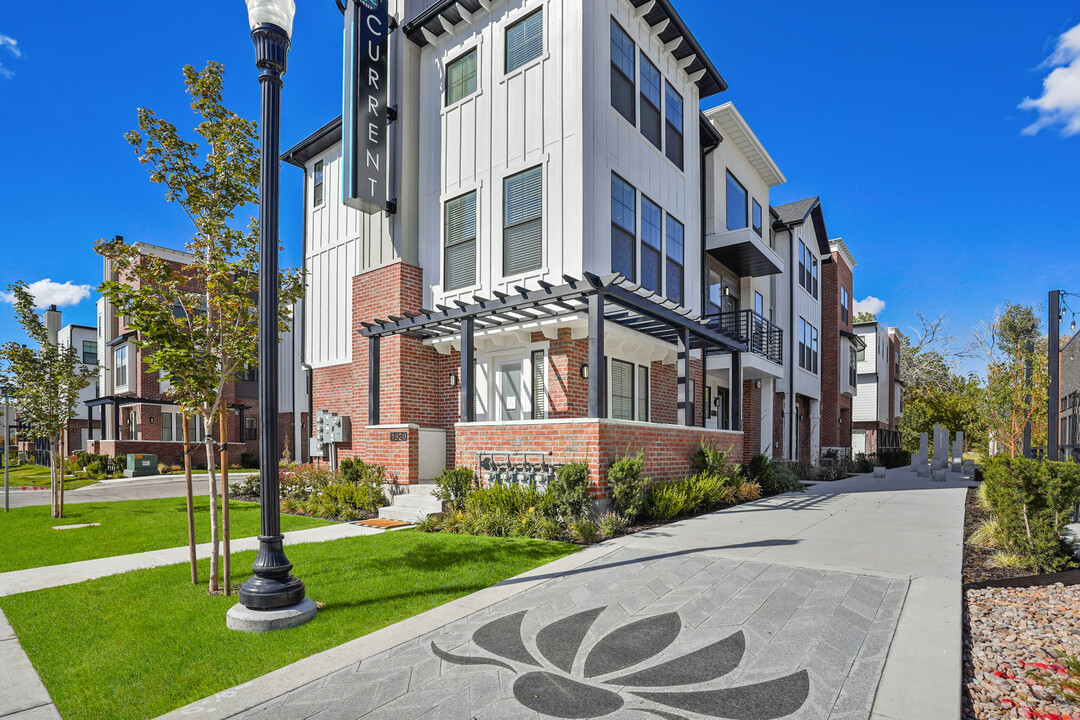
{"type": "Point", "coordinates": [744, 252]}
{"type": "Point", "coordinates": [761, 336]}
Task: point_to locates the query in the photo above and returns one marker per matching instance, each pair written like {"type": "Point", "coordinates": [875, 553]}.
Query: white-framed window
{"type": "Point", "coordinates": [525, 40]}
{"type": "Point", "coordinates": [623, 228]}
{"type": "Point", "coordinates": [675, 254]}
{"type": "Point", "coordinates": [317, 191]}
{"type": "Point", "coordinates": [651, 220]}
{"type": "Point", "coordinates": [460, 241]}
{"type": "Point", "coordinates": [643, 393]}
{"type": "Point", "coordinates": [539, 384]}
{"type": "Point", "coordinates": [736, 203]}
{"type": "Point", "coordinates": [853, 370]}
{"type": "Point", "coordinates": [622, 72]}
{"type": "Point", "coordinates": [120, 365]}
{"type": "Point", "coordinates": [649, 78]}
{"type": "Point", "coordinates": [461, 77]}
{"type": "Point", "coordinates": [673, 122]}
{"type": "Point", "coordinates": [523, 229]}
{"type": "Point", "coordinates": [808, 346]}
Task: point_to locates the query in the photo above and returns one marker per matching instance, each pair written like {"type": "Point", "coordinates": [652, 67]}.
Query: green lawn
{"type": "Point", "coordinates": [39, 475]}
{"type": "Point", "coordinates": [27, 539]}
{"type": "Point", "coordinates": [144, 643]}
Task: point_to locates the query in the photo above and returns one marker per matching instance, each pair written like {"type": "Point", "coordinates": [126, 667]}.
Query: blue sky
{"type": "Point", "coordinates": [904, 120]}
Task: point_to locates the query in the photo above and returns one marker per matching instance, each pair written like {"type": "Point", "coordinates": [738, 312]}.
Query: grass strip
{"type": "Point", "coordinates": [27, 539]}
{"type": "Point", "coordinates": [143, 643]}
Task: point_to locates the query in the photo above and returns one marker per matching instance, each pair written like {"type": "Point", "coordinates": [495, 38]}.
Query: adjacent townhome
{"type": "Point", "coordinates": [878, 402]}
{"type": "Point", "coordinates": [84, 339]}
{"type": "Point", "coordinates": [132, 411]}
{"type": "Point", "coordinates": [840, 347]}
{"type": "Point", "coordinates": [1069, 397]}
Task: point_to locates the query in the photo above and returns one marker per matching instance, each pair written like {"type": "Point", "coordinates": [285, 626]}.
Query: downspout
{"type": "Point", "coordinates": [792, 417]}
{"type": "Point", "coordinates": [301, 450]}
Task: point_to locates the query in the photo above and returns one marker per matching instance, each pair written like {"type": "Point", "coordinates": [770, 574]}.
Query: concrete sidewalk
{"type": "Point", "coordinates": [20, 581]}
{"type": "Point", "coordinates": [842, 603]}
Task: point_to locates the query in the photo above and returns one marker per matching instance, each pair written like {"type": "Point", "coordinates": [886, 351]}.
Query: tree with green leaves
{"type": "Point", "coordinates": [47, 382]}
{"type": "Point", "coordinates": [197, 322]}
{"type": "Point", "coordinates": [862, 317]}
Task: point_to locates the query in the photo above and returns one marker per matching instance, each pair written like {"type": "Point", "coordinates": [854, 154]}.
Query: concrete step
{"type": "Point", "coordinates": [418, 502]}
{"type": "Point", "coordinates": [409, 515]}
{"type": "Point", "coordinates": [424, 489]}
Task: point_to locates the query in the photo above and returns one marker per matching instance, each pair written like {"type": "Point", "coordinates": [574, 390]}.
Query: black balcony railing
{"type": "Point", "coordinates": [761, 336]}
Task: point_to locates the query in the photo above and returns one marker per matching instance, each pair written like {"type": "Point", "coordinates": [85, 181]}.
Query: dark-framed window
{"type": "Point", "coordinates": [460, 241]}
{"type": "Point", "coordinates": [317, 193]}
{"type": "Point", "coordinates": [622, 72]}
{"type": "Point", "coordinates": [167, 427]}
{"type": "Point", "coordinates": [523, 228]}
{"type": "Point", "coordinates": [461, 77]}
{"type": "Point", "coordinates": [814, 266]}
{"type": "Point", "coordinates": [651, 220]}
{"type": "Point", "coordinates": [248, 373]}
{"type": "Point", "coordinates": [643, 393]}
{"type": "Point", "coordinates": [539, 390]}
{"type": "Point", "coordinates": [89, 352]}
{"type": "Point", "coordinates": [736, 203]}
{"type": "Point", "coordinates": [525, 40]}
{"type": "Point", "coordinates": [723, 408]}
{"type": "Point", "coordinates": [675, 259]}
{"type": "Point", "coordinates": [623, 228]}
{"type": "Point", "coordinates": [808, 346]}
{"type": "Point", "coordinates": [251, 428]}
{"type": "Point", "coordinates": [845, 305]}
{"type": "Point", "coordinates": [756, 217]}
{"type": "Point", "coordinates": [853, 371]}
{"type": "Point", "coordinates": [808, 270]}
{"type": "Point", "coordinates": [673, 123]}
{"type": "Point", "coordinates": [650, 101]}
{"type": "Point", "coordinates": [622, 390]}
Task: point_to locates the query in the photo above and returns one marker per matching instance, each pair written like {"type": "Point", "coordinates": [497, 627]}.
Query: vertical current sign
{"type": "Point", "coordinates": [364, 128]}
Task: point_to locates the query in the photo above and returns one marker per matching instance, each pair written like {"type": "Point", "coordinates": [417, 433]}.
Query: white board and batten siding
{"type": "Point", "coordinates": [864, 406]}
{"type": "Point", "coordinates": [514, 121]}
{"type": "Point", "coordinates": [807, 307]}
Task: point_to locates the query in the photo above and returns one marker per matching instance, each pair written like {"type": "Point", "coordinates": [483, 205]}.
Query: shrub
{"type": "Point", "coordinates": [1003, 559]}
{"type": "Point", "coordinates": [1033, 501]}
{"type": "Point", "coordinates": [548, 529]}
{"type": "Point", "coordinates": [710, 459]}
{"type": "Point", "coordinates": [780, 481]}
{"type": "Point", "coordinates": [667, 500]}
{"type": "Point", "coordinates": [569, 491]}
{"type": "Point", "coordinates": [247, 487]}
{"type": "Point", "coordinates": [430, 524]}
{"type": "Point", "coordinates": [748, 491]}
{"type": "Point", "coordinates": [584, 530]}
{"type": "Point", "coordinates": [894, 458]}
{"type": "Point", "coordinates": [612, 524]}
{"type": "Point", "coordinates": [361, 497]}
{"type": "Point", "coordinates": [453, 486]}
{"type": "Point", "coordinates": [628, 487]}
{"type": "Point", "coordinates": [510, 500]}
{"type": "Point", "coordinates": [1062, 679]}
{"type": "Point", "coordinates": [863, 464]}
{"type": "Point", "coordinates": [987, 535]}
{"type": "Point", "coordinates": [705, 491]}
{"type": "Point", "coordinates": [289, 505]}
{"type": "Point", "coordinates": [247, 460]}
{"type": "Point", "coordinates": [355, 470]}
{"type": "Point", "coordinates": [301, 481]}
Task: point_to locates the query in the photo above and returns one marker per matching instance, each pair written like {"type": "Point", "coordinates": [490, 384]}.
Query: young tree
{"type": "Point", "coordinates": [861, 317]}
{"type": "Point", "coordinates": [47, 382]}
{"type": "Point", "coordinates": [198, 322]}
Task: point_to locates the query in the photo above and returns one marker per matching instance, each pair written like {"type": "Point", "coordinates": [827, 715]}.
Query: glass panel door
{"type": "Point", "coordinates": [508, 390]}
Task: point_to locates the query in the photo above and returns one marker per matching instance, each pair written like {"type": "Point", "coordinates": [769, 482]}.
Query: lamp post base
{"type": "Point", "coordinates": [271, 586]}
{"type": "Point", "coordinates": [246, 619]}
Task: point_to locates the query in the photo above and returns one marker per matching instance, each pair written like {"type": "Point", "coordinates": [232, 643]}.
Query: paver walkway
{"type": "Point", "coordinates": [843, 603]}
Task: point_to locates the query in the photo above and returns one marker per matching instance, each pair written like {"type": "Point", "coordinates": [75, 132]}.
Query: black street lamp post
{"type": "Point", "coordinates": [272, 586]}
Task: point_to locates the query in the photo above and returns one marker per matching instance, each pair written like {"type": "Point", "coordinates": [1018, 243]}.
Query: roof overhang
{"type": "Point", "coordinates": [840, 247]}
{"type": "Point", "coordinates": [856, 340]}
{"type": "Point", "coordinates": [744, 252]}
{"type": "Point", "coordinates": [314, 144]}
{"type": "Point", "coordinates": [121, 339]}
{"type": "Point", "coordinates": [730, 121]}
{"type": "Point", "coordinates": [443, 15]}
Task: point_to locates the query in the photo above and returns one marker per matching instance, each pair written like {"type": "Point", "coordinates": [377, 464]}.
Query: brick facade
{"type": "Point", "coordinates": [751, 417]}
{"type": "Point", "coordinates": [835, 406]}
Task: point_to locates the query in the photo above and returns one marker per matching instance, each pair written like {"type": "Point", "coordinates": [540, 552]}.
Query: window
{"type": "Point", "coordinates": [524, 41]}
{"type": "Point", "coordinates": [89, 352]}
{"type": "Point", "coordinates": [845, 305]}
{"type": "Point", "coordinates": [814, 264]}
{"type": "Point", "coordinates": [539, 395]}
{"type": "Point", "coordinates": [317, 193]}
{"type": "Point", "coordinates": [860, 354]}
{"type": "Point", "coordinates": [808, 346]}
{"type": "Point", "coordinates": [673, 114]}
{"type": "Point", "coordinates": [251, 429]}
{"type": "Point", "coordinates": [757, 217]}
{"type": "Point", "coordinates": [674, 260]}
{"type": "Point", "coordinates": [523, 237]}
{"type": "Point", "coordinates": [808, 270]}
{"type": "Point", "coordinates": [248, 374]}
{"type": "Point", "coordinates": [736, 204]}
{"type": "Point", "coordinates": [622, 390]}
{"type": "Point", "coordinates": [623, 227]}
{"type": "Point", "coordinates": [121, 357]}
{"type": "Point", "coordinates": [853, 372]}
{"type": "Point", "coordinates": [622, 72]}
{"type": "Point", "coordinates": [461, 241]}
{"type": "Point", "coordinates": [650, 101]}
{"type": "Point", "coordinates": [461, 78]}
{"type": "Point", "coordinates": [643, 393]}
{"type": "Point", "coordinates": [167, 426]}
{"type": "Point", "coordinates": [650, 244]}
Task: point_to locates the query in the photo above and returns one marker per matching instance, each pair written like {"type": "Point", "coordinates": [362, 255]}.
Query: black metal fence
{"type": "Point", "coordinates": [761, 336]}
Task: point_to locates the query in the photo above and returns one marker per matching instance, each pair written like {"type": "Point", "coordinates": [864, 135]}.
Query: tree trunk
{"type": "Point", "coordinates": [54, 496]}
{"type": "Point", "coordinates": [63, 455]}
{"type": "Point", "coordinates": [190, 504]}
{"type": "Point", "coordinates": [215, 550]}
{"type": "Point", "coordinates": [225, 494]}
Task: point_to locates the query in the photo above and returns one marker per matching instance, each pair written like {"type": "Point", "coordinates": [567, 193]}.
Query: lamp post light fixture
{"type": "Point", "coordinates": [271, 598]}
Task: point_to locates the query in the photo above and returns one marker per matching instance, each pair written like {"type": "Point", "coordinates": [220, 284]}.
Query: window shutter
{"type": "Point", "coordinates": [524, 41]}
{"type": "Point", "coordinates": [622, 390]}
{"type": "Point", "coordinates": [524, 221]}
{"type": "Point", "coordinates": [539, 391]}
{"type": "Point", "coordinates": [643, 393]}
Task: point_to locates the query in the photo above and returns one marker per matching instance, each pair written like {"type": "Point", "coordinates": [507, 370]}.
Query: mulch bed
{"type": "Point", "coordinates": [977, 559]}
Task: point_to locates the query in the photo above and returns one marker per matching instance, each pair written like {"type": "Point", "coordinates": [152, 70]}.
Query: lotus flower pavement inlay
{"type": "Point", "coordinates": [553, 689]}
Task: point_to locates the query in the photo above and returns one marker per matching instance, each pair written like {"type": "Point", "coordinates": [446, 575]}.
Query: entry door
{"type": "Point", "coordinates": [508, 390]}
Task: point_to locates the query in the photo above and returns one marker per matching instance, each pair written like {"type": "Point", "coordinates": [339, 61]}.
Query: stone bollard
{"type": "Point", "coordinates": [923, 469]}
{"type": "Point", "coordinates": [968, 468]}
{"type": "Point", "coordinates": [939, 475]}
{"type": "Point", "coordinates": [879, 472]}
{"type": "Point", "coordinates": [957, 466]}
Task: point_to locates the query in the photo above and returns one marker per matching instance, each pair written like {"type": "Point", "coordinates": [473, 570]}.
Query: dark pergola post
{"type": "Point", "coordinates": [736, 391]}
{"type": "Point", "coordinates": [374, 381]}
{"type": "Point", "coordinates": [683, 368]}
{"type": "Point", "coordinates": [89, 424]}
{"type": "Point", "coordinates": [596, 356]}
{"type": "Point", "coordinates": [116, 420]}
{"type": "Point", "coordinates": [468, 375]}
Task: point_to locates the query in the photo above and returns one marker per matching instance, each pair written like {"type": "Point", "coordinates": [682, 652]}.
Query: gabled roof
{"type": "Point", "coordinates": [442, 15]}
{"type": "Point", "coordinates": [729, 120]}
{"type": "Point", "coordinates": [799, 212]}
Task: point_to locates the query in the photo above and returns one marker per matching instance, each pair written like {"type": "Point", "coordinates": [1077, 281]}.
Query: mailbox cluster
{"type": "Point", "coordinates": [527, 469]}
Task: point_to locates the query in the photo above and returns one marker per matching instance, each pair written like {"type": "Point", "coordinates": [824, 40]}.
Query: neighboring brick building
{"type": "Point", "coordinates": [840, 346]}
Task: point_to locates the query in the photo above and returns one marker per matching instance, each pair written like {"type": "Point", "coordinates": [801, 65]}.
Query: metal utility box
{"type": "Point", "coordinates": [141, 465]}
{"type": "Point", "coordinates": [332, 428]}
{"type": "Point", "coordinates": [316, 447]}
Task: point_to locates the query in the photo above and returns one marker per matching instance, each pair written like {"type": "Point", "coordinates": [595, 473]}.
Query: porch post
{"type": "Point", "coordinates": [736, 390]}
{"type": "Point", "coordinates": [89, 424]}
{"type": "Point", "coordinates": [468, 376]}
{"type": "Point", "coordinates": [596, 356]}
{"type": "Point", "coordinates": [683, 369]}
{"type": "Point", "coordinates": [373, 380]}
{"type": "Point", "coordinates": [116, 420]}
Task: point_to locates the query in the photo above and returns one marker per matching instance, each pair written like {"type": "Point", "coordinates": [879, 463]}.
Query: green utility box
{"type": "Point", "coordinates": [140, 465]}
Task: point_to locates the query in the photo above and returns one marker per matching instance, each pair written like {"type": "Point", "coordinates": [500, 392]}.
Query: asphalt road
{"type": "Point", "coordinates": [144, 488]}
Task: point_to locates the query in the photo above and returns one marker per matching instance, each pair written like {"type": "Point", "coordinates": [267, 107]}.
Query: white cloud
{"type": "Point", "coordinates": [13, 46]}
{"type": "Point", "coordinates": [869, 304]}
{"type": "Point", "coordinates": [1060, 101]}
{"type": "Point", "coordinates": [46, 293]}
